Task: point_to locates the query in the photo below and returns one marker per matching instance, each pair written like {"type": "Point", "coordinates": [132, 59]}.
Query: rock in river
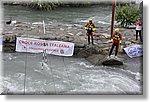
{"type": "Point", "coordinates": [112, 61]}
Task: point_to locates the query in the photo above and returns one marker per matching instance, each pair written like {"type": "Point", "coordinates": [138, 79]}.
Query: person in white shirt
{"type": "Point", "coordinates": [139, 29]}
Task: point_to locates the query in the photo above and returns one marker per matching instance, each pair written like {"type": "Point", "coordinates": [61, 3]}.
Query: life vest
{"type": "Point", "coordinates": [116, 37]}
{"type": "Point", "coordinates": [90, 27]}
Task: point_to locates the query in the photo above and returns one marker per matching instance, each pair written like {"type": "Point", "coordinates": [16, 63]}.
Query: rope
{"type": "Point", "coordinates": [25, 73]}
{"type": "Point", "coordinates": [53, 80]}
{"type": "Point", "coordinates": [67, 72]}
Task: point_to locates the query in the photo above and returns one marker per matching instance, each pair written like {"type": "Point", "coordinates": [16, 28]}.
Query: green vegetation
{"type": "Point", "coordinates": [50, 5]}
{"type": "Point", "coordinates": [127, 14]}
{"type": "Point", "coordinates": [43, 5]}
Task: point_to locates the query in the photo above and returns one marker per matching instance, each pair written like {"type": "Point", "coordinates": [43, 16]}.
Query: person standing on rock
{"type": "Point", "coordinates": [90, 27]}
{"type": "Point", "coordinates": [139, 29]}
{"type": "Point", "coordinates": [116, 41]}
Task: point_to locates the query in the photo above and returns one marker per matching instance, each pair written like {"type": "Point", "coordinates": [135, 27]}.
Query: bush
{"type": "Point", "coordinates": [43, 5]}
{"type": "Point", "coordinates": [127, 14]}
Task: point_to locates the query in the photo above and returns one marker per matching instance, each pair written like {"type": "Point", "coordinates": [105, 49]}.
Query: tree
{"type": "Point", "coordinates": [126, 14]}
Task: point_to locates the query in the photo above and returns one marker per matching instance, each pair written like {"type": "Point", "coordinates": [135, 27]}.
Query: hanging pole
{"type": "Point", "coordinates": [43, 27]}
{"type": "Point", "coordinates": [44, 57]}
{"type": "Point", "coordinates": [113, 16]}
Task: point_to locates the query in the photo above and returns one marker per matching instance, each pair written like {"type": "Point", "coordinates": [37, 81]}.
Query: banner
{"type": "Point", "coordinates": [1, 43]}
{"type": "Point", "coordinates": [37, 46]}
{"type": "Point", "coordinates": [134, 51]}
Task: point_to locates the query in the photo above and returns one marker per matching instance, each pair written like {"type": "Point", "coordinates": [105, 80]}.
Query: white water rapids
{"type": "Point", "coordinates": [64, 76]}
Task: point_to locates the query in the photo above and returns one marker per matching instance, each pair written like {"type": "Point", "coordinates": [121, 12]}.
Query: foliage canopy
{"type": "Point", "coordinates": [43, 5]}
{"type": "Point", "coordinates": [127, 14]}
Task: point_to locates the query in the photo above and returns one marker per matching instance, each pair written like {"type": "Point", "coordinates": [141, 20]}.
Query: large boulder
{"type": "Point", "coordinates": [96, 59]}
{"type": "Point", "coordinates": [9, 47]}
{"type": "Point", "coordinates": [87, 51]}
{"type": "Point", "coordinates": [101, 59]}
{"type": "Point", "coordinates": [111, 62]}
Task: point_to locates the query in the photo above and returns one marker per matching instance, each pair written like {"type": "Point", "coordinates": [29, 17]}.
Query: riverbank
{"type": "Point", "coordinates": [74, 33]}
{"type": "Point", "coordinates": [69, 75]}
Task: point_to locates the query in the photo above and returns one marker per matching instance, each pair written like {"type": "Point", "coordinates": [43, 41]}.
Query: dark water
{"type": "Point", "coordinates": [59, 15]}
{"type": "Point", "coordinates": [65, 75]}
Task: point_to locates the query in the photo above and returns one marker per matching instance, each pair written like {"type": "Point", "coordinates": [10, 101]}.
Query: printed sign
{"type": "Point", "coordinates": [1, 43]}
{"type": "Point", "coordinates": [134, 51]}
{"type": "Point", "coordinates": [37, 46]}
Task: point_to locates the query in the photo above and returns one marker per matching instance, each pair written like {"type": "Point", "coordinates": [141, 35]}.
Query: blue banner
{"type": "Point", "coordinates": [134, 51]}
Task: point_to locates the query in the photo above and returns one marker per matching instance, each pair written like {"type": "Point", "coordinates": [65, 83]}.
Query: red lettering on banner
{"type": "Point", "coordinates": [59, 45]}
{"type": "Point", "coordinates": [25, 42]}
{"type": "Point", "coordinates": [36, 48]}
{"type": "Point", "coordinates": [49, 50]}
{"type": "Point", "coordinates": [40, 44]}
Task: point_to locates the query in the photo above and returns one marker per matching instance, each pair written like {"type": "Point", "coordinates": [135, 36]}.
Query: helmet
{"type": "Point", "coordinates": [90, 19]}
{"type": "Point", "coordinates": [117, 30]}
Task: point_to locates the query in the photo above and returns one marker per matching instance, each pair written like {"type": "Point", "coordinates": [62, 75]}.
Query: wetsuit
{"type": "Point", "coordinates": [90, 27]}
{"type": "Point", "coordinates": [116, 43]}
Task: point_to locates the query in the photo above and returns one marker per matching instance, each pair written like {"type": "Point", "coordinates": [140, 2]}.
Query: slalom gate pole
{"type": "Point", "coordinates": [113, 16]}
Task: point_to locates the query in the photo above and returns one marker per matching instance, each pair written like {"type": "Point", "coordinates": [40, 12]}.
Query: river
{"type": "Point", "coordinates": [70, 15]}
{"type": "Point", "coordinates": [23, 74]}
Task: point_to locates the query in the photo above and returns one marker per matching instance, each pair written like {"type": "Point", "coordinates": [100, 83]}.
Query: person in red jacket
{"type": "Point", "coordinates": [116, 41]}
{"type": "Point", "coordinates": [139, 29]}
{"type": "Point", "coordinates": [90, 27]}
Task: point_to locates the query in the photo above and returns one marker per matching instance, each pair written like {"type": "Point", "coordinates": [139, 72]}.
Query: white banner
{"type": "Point", "coordinates": [37, 46]}
{"type": "Point", "coordinates": [134, 51]}
{"type": "Point", "coordinates": [1, 43]}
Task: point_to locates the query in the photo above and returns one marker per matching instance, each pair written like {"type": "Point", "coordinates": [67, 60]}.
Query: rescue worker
{"type": "Point", "coordinates": [90, 27]}
{"type": "Point", "coordinates": [139, 29]}
{"type": "Point", "coordinates": [116, 41]}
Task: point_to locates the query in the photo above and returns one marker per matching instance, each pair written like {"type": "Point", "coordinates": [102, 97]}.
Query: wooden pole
{"type": "Point", "coordinates": [113, 16]}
